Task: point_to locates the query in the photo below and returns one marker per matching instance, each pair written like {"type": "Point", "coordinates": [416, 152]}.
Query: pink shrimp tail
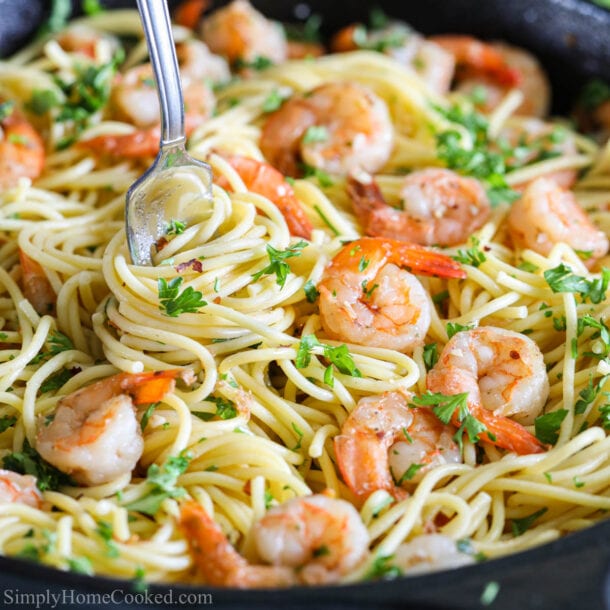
{"type": "Point", "coordinates": [217, 561]}
{"type": "Point", "coordinates": [150, 386]}
{"type": "Point", "coordinates": [476, 56]}
{"type": "Point", "coordinates": [507, 434]}
{"type": "Point", "coordinates": [362, 461]}
{"type": "Point", "coordinates": [36, 286]}
{"type": "Point", "coordinates": [412, 257]}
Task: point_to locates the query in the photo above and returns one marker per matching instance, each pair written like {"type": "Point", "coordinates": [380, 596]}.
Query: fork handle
{"type": "Point", "coordinates": [162, 51]}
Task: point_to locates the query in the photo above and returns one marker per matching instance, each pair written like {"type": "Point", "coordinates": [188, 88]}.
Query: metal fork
{"type": "Point", "coordinates": [165, 192]}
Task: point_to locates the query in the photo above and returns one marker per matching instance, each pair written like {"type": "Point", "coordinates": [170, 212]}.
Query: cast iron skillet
{"type": "Point", "coordinates": [572, 38]}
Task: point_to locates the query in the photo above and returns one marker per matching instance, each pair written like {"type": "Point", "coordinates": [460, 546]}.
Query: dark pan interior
{"type": "Point", "coordinates": [572, 38]}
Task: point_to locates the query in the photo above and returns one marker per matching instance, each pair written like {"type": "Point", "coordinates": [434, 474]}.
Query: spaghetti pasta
{"type": "Point", "coordinates": [274, 386]}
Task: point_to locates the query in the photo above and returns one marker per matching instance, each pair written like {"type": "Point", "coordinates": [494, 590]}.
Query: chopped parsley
{"type": "Point", "coordinates": [383, 569]}
{"type": "Point", "coordinates": [527, 266]}
{"type": "Point", "coordinates": [92, 7]}
{"type": "Point", "coordinates": [326, 221]}
{"type": "Point", "coordinates": [6, 422]}
{"type": "Point", "coordinates": [430, 355]}
{"type": "Point", "coordinates": [454, 327]}
{"type": "Point", "coordinates": [585, 397]}
{"type": "Point", "coordinates": [387, 501]}
{"type": "Point", "coordinates": [172, 302]}
{"type": "Point", "coordinates": [225, 409]}
{"type": "Point", "coordinates": [162, 484]}
{"type": "Point", "coordinates": [299, 434]}
{"type": "Point", "coordinates": [313, 172]}
{"type": "Point", "coordinates": [380, 39]}
{"type": "Point", "coordinates": [445, 406]}
{"type": "Point", "coordinates": [561, 279]}
{"type": "Point", "coordinates": [602, 333]}
{"type": "Point", "coordinates": [149, 411]}
{"type": "Point", "coordinates": [472, 256]}
{"type": "Point", "coordinates": [29, 461]}
{"type": "Point", "coordinates": [482, 161]}
{"type": "Point", "coordinates": [309, 31]}
{"type": "Point", "coordinates": [547, 426]}
{"type": "Point", "coordinates": [277, 262]}
{"type": "Point", "coordinates": [368, 291]}
{"type": "Point", "coordinates": [311, 292]}
{"type": "Point", "coordinates": [105, 532]}
{"type": "Point", "coordinates": [58, 379]}
{"type": "Point", "coordinates": [409, 473]}
{"type": "Point", "coordinates": [315, 133]}
{"type": "Point", "coordinates": [489, 593]}
{"type": "Point", "coordinates": [80, 565]}
{"type": "Point", "coordinates": [260, 62]}
{"type": "Point", "coordinates": [464, 545]}
{"type": "Point", "coordinates": [339, 356]}
{"type": "Point", "coordinates": [175, 227]}
{"type": "Point", "coordinates": [58, 17]}
{"type": "Point", "coordinates": [520, 526]}
{"type": "Point", "coordinates": [57, 342]}
{"type": "Point", "coordinates": [84, 96]}
{"type": "Point", "coordinates": [274, 100]}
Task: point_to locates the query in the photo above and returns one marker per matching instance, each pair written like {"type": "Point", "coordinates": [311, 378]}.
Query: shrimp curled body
{"type": "Point", "coordinates": [367, 296]}
{"type": "Point", "coordinates": [239, 32]}
{"type": "Point", "coordinates": [438, 207]}
{"type": "Point", "coordinates": [311, 540]}
{"type": "Point", "coordinates": [504, 374]}
{"type": "Point", "coordinates": [384, 443]}
{"type": "Point", "coordinates": [546, 214]}
{"type": "Point", "coordinates": [94, 435]}
{"type": "Point", "coordinates": [354, 130]}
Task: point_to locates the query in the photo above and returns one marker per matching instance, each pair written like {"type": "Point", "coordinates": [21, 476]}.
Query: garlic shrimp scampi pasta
{"type": "Point", "coordinates": [380, 348]}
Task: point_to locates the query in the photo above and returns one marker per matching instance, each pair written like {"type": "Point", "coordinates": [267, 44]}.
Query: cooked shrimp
{"type": "Point", "coordinates": [134, 95]}
{"type": "Point", "coordinates": [428, 553]}
{"type": "Point", "coordinates": [22, 151]}
{"type": "Point", "coordinates": [94, 435]}
{"type": "Point", "coordinates": [434, 64]}
{"type": "Point", "coordinates": [265, 180]}
{"type": "Point", "coordinates": [19, 488]}
{"type": "Point", "coordinates": [384, 444]}
{"type": "Point", "coordinates": [439, 207]}
{"type": "Point", "coordinates": [136, 145]}
{"type": "Point", "coordinates": [240, 33]}
{"type": "Point", "coordinates": [134, 100]}
{"type": "Point", "coordinates": [88, 42]}
{"type": "Point", "coordinates": [546, 214]}
{"type": "Point", "coordinates": [36, 286]}
{"type": "Point", "coordinates": [353, 130]}
{"type": "Point", "coordinates": [497, 68]}
{"type": "Point", "coordinates": [504, 374]}
{"type": "Point", "coordinates": [311, 540]}
{"type": "Point", "coordinates": [367, 296]}
{"type": "Point", "coordinates": [197, 63]}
